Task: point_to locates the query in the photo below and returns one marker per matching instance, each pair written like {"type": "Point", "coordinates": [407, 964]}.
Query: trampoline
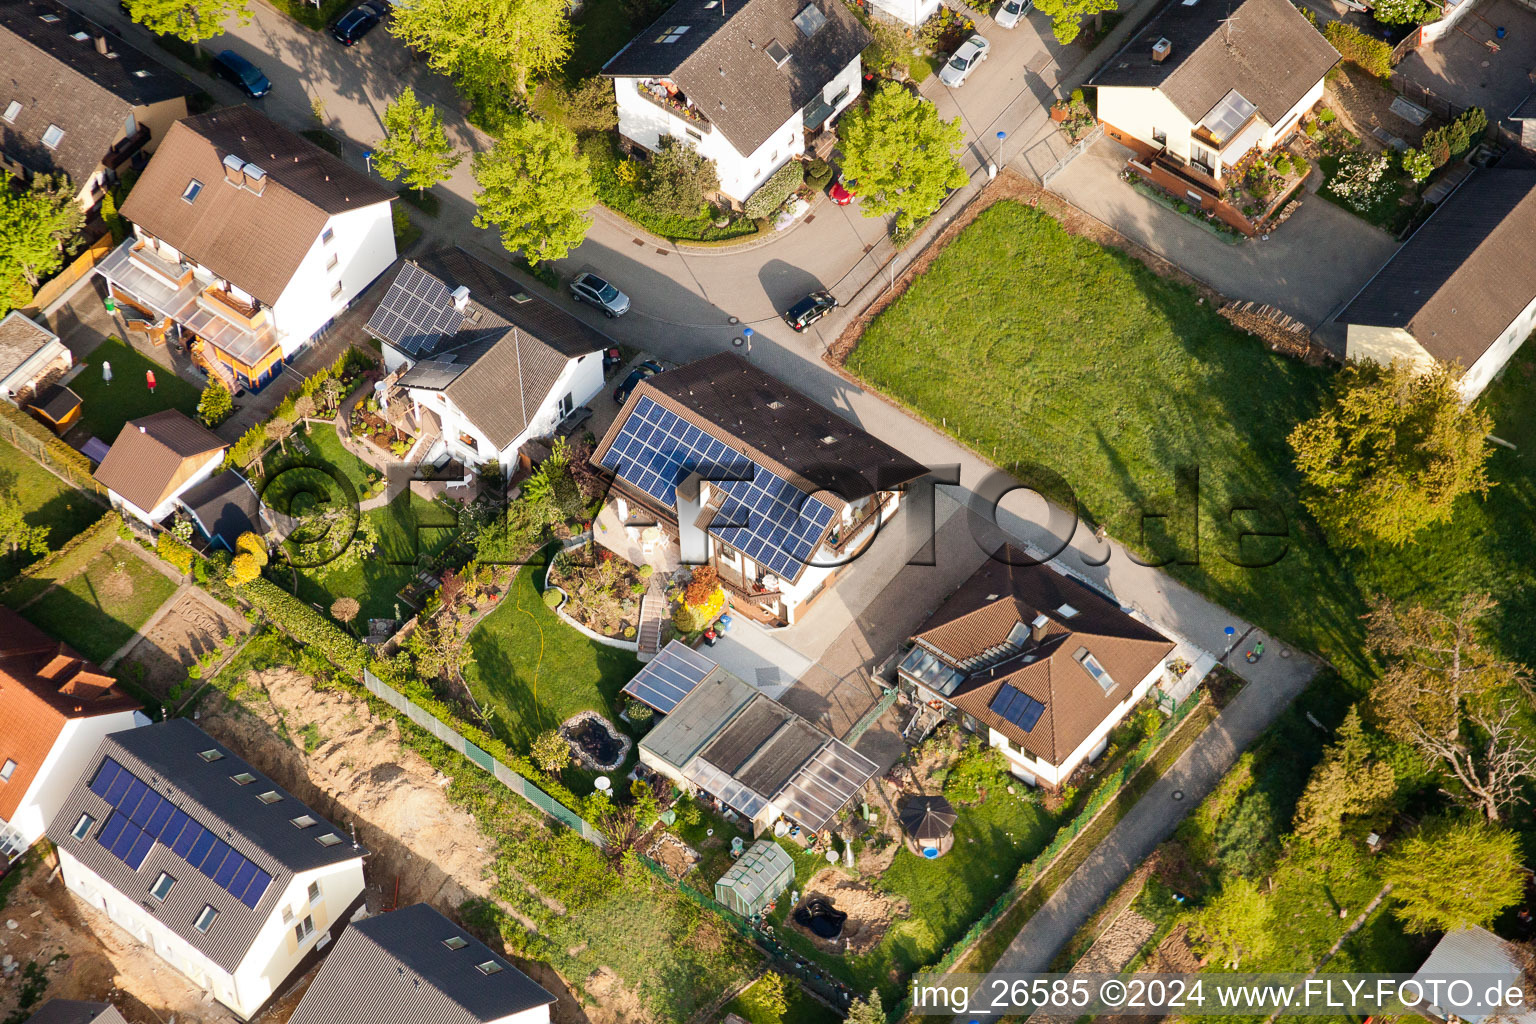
{"type": "Point", "coordinates": [820, 917]}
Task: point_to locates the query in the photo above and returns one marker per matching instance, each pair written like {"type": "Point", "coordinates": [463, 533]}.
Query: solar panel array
{"type": "Point", "coordinates": [1017, 707]}
{"type": "Point", "coordinates": [141, 817]}
{"type": "Point", "coordinates": [417, 311]}
{"type": "Point", "coordinates": [669, 677]}
{"type": "Point", "coordinates": [774, 524]}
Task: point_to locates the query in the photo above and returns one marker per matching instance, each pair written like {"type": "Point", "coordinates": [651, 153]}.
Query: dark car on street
{"type": "Point", "coordinates": [232, 67]}
{"type": "Point", "coordinates": [638, 374]}
{"type": "Point", "coordinates": [356, 23]}
{"type": "Point", "coordinates": [809, 310]}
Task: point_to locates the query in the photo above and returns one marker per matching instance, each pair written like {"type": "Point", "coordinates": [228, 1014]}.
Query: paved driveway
{"type": "Point", "coordinates": [1312, 263]}
{"type": "Point", "coordinates": [1461, 69]}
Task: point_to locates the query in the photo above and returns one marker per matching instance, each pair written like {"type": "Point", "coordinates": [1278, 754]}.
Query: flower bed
{"type": "Point", "coordinates": [602, 590]}
{"type": "Point", "coordinates": [1263, 185]}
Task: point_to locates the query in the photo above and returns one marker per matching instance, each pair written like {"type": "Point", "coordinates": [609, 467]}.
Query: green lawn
{"type": "Point", "coordinates": [536, 671]}
{"type": "Point", "coordinates": [47, 501]}
{"type": "Point", "coordinates": [109, 406]}
{"type": "Point", "coordinates": [99, 610]}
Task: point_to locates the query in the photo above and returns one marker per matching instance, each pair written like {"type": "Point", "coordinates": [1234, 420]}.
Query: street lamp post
{"type": "Point", "coordinates": [746, 332]}
{"type": "Point", "coordinates": [998, 162]}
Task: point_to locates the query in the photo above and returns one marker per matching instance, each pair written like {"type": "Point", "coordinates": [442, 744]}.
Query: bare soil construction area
{"type": "Point", "coordinates": [869, 912]}
{"type": "Point", "coordinates": [191, 628]}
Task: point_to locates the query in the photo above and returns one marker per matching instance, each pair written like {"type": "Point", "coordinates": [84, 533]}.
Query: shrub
{"type": "Point", "coordinates": [678, 179]}
{"type": "Point", "coordinates": [174, 552]}
{"type": "Point", "coordinates": [818, 174]}
{"type": "Point", "coordinates": [215, 404]}
{"type": "Point", "coordinates": [245, 451]}
{"type": "Point", "coordinates": [637, 713]}
{"type": "Point", "coordinates": [1417, 164]}
{"type": "Point", "coordinates": [691, 618]}
{"type": "Point", "coordinates": [770, 195]}
{"type": "Point", "coordinates": [552, 598]}
{"type": "Point", "coordinates": [249, 543]}
{"type": "Point", "coordinates": [243, 570]}
{"type": "Point", "coordinates": [1326, 116]}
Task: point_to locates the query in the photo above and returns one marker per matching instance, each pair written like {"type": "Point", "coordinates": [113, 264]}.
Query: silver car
{"type": "Point", "coordinates": [971, 53]}
{"type": "Point", "coordinates": [593, 289]}
{"type": "Point", "coordinates": [1011, 12]}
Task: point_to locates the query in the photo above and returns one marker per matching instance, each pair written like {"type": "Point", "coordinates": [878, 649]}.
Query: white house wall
{"type": "Point", "coordinates": [537, 1015]}
{"type": "Point", "coordinates": [1383, 345]}
{"type": "Point", "coordinates": [582, 379]}
{"type": "Point", "coordinates": [1482, 372]}
{"type": "Point", "coordinates": [364, 244]}
{"type": "Point", "coordinates": [1287, 124]}
{"type": "Point", "coordinates": [1139, 111]}
{"type": "Point", "coordinates": [910, 12]}
{"type": "Point", "coordinates": [62, 768]}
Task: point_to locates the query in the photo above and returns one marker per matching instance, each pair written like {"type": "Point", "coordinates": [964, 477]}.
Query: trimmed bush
{"type": "Point", "coordinates": [770, 195]}
{"type": "Point", "coordinates": [1372, 55]}
{"type": "Point", "coordinates": [174, 552]}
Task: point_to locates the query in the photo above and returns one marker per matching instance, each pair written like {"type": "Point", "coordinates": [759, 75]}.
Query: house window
{"type": "Point", "coordinates": [326, 236]}
{"type": "Point", "coordinates": [567, 403]}
{"type": "Point", "coordinates": [1159, 136]}
{"type": "Point", "coordinates": [205, 919]}
{"type": "Point", "coordinates": [210, 755]}
{"type": "Point", "coordinates": [130, 124]}
{"type": "Point", "coordinates": [1066, 611]}
{"type": "Point", "coordinates": [1201, 158]}
{"type": "Point", "coordinates": [83, 826]}
{"type": "Point", "coordinates": [335, 259]}
{"type": "Point", "coordinates": [304, 929]}
{"type": "Point", "coordinates": [672, 34]}
{"type": "Point", "coordinates": [836, 101]}
{"type": "Point", "coordinates": [193, 188]}
{"type": "Point", "coordinates": [53, 136]}
{"type": "Point", "coordinates": [287, 915]}
{"type": "Point", "coordinates": [693, 135]}
{"type": "Point", "coordinates": [336, 291]}
{"type": "Point", "coordinates": [243, 779]}
{"type": "Point", "coordinates": [314, 892]}
{"type": "Point", "coordinates": [269, 797]}
{"type": "Point", "coordinates": [162, 887]}
{"type": "Point", "coordinates": [1089, 662]}
{"type": "Point", "coordinates": [11, 110]}
{"type": "Point", "coordinates": [455, 942]}
{"type": "Point", "coordinates": [7, 770]}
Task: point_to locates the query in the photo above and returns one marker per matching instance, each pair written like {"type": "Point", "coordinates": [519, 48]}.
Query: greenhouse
{"type": "Point", "coordinates": [757, 879]}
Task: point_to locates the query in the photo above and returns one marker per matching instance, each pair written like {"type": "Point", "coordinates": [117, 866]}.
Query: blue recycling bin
{"type": "Point", "coordinates": [723, 624]}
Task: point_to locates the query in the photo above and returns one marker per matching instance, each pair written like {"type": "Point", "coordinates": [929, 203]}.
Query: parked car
{"type": "Point", "coordinates": [232, 67]}
{"type": "Point", "coordinates": [971, 53]}
{"type": "Point", "coordinates": [809, 310]}
{"type": "Point", "coordinates": [843, 190]}
{"type": "Point", "coordinates": [638, 374]}
{"type": "Point", "coordinates": [593, 289]}
{"type": "Point", "coordinates": [357, 22]}
{"type": "Point", "coordinates": [1011, 12]}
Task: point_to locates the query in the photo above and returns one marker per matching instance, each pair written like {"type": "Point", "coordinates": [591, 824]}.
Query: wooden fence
{"type": "Point", "coordinates": [54, 289]}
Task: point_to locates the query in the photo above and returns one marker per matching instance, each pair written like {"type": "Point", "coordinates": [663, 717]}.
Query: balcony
{"type": "Point", "coordinates": [172, 274]}
{"type": "Point", "coordinates": [124, 150]}
{"type": "Point", "coordinates": [250, 315]}
{"type": "Point", "coordinates": [842, 538]}
{"type": "Point", "coordinates": [673, 101]}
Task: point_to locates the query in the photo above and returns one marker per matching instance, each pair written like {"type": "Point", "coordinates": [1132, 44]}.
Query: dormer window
{"type": "Point", "coordinates": [53, 136]}
{"type": "Point", "coordinates": [12, 109]}
{"type": "Point", "coordinates": [191, 192]}
{"type": "Point", "coordinates": [672, 34]}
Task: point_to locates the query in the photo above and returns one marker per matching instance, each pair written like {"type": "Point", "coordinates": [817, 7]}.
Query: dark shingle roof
{"type": "Point", "coordinates": [72, 1011]}
{"type": "Point", "coordinates": [256, 242]}
{"type": "Point", "coordinates": [501, 363]}
{"type": "Point", "coordinates": [226, 505]}
{"type": "Point", "coordinates": [165, 758]}
{"type": "Point", "coordinates": [394, 969]}
{"type": "Point", "coordinates": [1526, 110]}
{"type": "Point", "coordinates": [1465, 275]}
{"type": "Point", "coordinates": [1008, 591]}
{"type": "Point", "coordinates": [721, 62]}
{"type": "Point", "coordinates": [56, 403]}
{"type": "Point", "coordinates": [149, 458]}
{"type": "Point", "coordinates": [64, 81]}
{"type": "Point", "coordinates": [1268, 52]}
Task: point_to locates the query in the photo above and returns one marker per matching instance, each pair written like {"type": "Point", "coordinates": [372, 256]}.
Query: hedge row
{"type": "Point", "coordinates": [1370, 53]}
{"type": "Point", "coordinates": [63, 563]}
{"type": "Point", "coordinates": [770, 195]}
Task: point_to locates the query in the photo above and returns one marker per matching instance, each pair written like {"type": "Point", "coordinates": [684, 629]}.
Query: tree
{"type": "Point", "coordinates": [901, 154]}
{"type": "Point", "coordinates": [589, 107]}
{"type": "Point", "coordinates": [535, 190]}
{"type": "Point", "coordinates": [249, 543]}
{"type": "Point", "coordinates": [1454, 874]}
{"type": "Point", "coordinates": [331, 391]}
{"type": "Point", "coordinates": [492, 46]}
{"type": "Point", "coordinates": [1392, 453]}
{"type": "Point", "coordinates": [190, 20]}
{"type": "Point", "coordinates": [278, 430]}
{"type": "Point", "coordinates": [36, 224]}
{"type": "Point", "coordinates": [215, 404]}
{"type": "Point", "coordinates": [1236, 925]}
{"type": "Point", "coordinates": [415, 146]}
{"type": "Point", "coordinates": [1403, 12]}
{"type": "Point", "coordinates": [1349, 783]}
{"type": "Point", "coordinates": [16, 534]}
{"type": "Point", "coordinates": [345, 609]}
{"type": "Point", "coordinates": [1067, 15]}
{"type": "Point", "coordinates": [243, 569]}
{"type": "Point", "coordinates": [867, 1011]}
{"type": "Point", "coordinates": [550, 753]}
{"type": "Point", "coordinates": [678, 178]}
{"type": "Point", "coordinates": [769, 996]}
{"type": "Point", "coordinates": [1448, 695]}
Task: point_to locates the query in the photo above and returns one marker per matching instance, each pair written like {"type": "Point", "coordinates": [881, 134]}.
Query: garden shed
{"type": "Point", "coordinates": [757, 879]}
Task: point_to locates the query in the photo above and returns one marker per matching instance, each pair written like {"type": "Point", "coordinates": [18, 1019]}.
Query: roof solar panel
{"type": "Point", "coordinates": [417, 312]}
{"type": "Point", "coordinates": [1016, 706]}
{"type": "Point", "coordinates": [761, 514]}
{"type": "Point", "coordinates": [669, 677]}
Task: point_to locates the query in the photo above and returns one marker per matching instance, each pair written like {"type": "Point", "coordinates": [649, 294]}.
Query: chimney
{"type": "Point", "coordinates": [234, 170]}
{"type": "Point", "coordinates": [255, 178]}
{"type": "Point", "coordinates": [1037, 627]}
{"type": "Point", "coordinates": [461, 298]}
{"type": "Point", "coordinates": [101, 44]}
{"type": "Point", "coordinates": [1161, 49]}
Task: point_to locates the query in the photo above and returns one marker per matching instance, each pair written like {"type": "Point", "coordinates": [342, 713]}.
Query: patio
{"type": "Point", "coordinates": [1462, 69]}
{"type": "Point", "coordinates": [655, 546]}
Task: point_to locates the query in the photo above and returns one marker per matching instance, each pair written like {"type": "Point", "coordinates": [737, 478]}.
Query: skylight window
{"type": "Point", "coordinates": [162, 887]}
{"type": "Point", "coordinates": [140, 73]}
{"type": "Point", "coordinates": [1066, 611]}
{"type": "Point", "coordinates": [193, 188]}
{"type": "Point", "coordinates": [269, 797]}
{"type": "Point", "coordinates": [210, 755]}
{"type": "Point", "coordinates": [80, 37]}
{"type": "Point", "coordinates": [1091, 664]}
{"type": "Point", "coordinates": [11, 110]}
{"type": "Point", "coordinates": [303, 821]}
{"type": "Point", "coordinates": [51, 18]}
{"type": "Point", "coordinates": [489, 967]}
{"type": "Point", "coordinates": [7, 770]}
{"type": "Point", "coordinates": [810, 20]}
{"type": "Point", "coordinates": [83, 826]}
{"type": "Point", "coordinates": [328, 840]}
{"type": "Point", "coordinates": [672, 34]}
{"type": "Point", "coordinates": [776, 53]}
{"type": "Point", "coordinates": [455, 942]}
{"type": "Point", "coordinates": [243, 779]}
{"type": "Point", "coordinates": [53, 136]}
{"type": "Point", "coordinates": [205, 920]}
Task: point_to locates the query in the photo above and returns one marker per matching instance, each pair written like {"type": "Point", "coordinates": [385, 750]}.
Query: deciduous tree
{"type": "Point", "coordinates": [1454, 699]}
{"type": "Point", "coordinates": [1392, 452]}
{"type": "Point", "coordinates": [1067, 15]}
{"type": "Point", "coordinates": [550, 752]}
{"type": "Point", "coordinates": [190, 20]}
{"type": "Point", "coordinates": [491, 46]}
{"type": "Point", "coordinates": [1237, 925]}
{"type": "Point", "coordinates": [901, 154]}
{"type": "Point", "coordinates": [1349, 783]}
{"type": "Point", "coordinates": [1454, 874]}
{"type": "Point", "coordinates": [345, 609]}
{"type": "Point", "coordinates": [415, 147]}
{"type": "Point", "coordinates": [16, 534]}
{"type": "Point", "coordinates": [1403, 12]}
{"type": "Point", "coordinates": [36, 224]}
{"type": "Point", "coordinates": [534, 189]}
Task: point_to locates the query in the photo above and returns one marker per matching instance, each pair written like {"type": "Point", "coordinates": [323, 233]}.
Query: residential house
{"type": "Point", "coordinates": [478, 364]}
{"type": "Point", "coordinates": [730, 742]}
{"type": "Point", "coordinates": [1462, 289]}
{"type": "Point", "coordinates": [909, 12]}
{"type": "Point", "coordinates": [1475, 953]}
{"type": "Point", "coordinates": [1034, 660]}
{"type": "Point", "coordinates": [746, 474]}
{"type": "Point", "coordinates": [247, 242]}
{"type": "Point", "coordinates": [229, 878]}
{"type": "Point", "coordinates": [1204, 84]}
{"type": "Point", "coordinates": [413, 964]}
{"type": "Point", "coordinates": [56, 707]}
{"type": "Point", "coordinates": [743, 83]}
{"type": "Point", "coordinates": [31, 358]}
{"type": "Point", "coordinates": [155, 459]}
{"type": "Point", "coordinates": [72, 1011]}
{"type": "Point", "coordinates": [223, 507]}
{"type": "Point", "coordinates": [76, 99]}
